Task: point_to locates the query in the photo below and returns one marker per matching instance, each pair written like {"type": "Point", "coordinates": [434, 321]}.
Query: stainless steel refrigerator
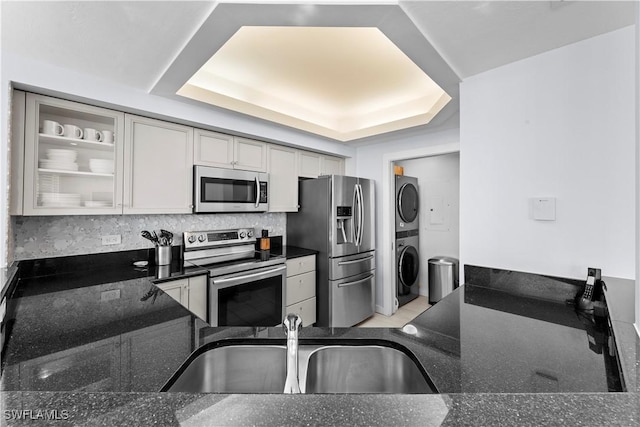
{"type": "Point", "coordinates": [336, 218]}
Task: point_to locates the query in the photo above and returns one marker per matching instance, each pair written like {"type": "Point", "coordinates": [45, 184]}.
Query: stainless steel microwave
{"type": "Point", "coordinates": [229, 190]}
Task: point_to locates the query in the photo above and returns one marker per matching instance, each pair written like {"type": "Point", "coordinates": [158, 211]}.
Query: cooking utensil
{"type": "Point", "coordinates": [166, 237]}
{"type": "Point", "coordinates": [149, 236]}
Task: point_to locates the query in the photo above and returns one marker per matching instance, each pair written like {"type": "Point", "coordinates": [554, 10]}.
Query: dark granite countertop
{"type": "Point", "coordinates": [7, 275]}
{"type": "Point", "coordinates": [93, 359]}
{"type": "Point", "coordinates": [292, 252]}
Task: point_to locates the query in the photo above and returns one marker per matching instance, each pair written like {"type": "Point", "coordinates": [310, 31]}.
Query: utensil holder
{"type": "Point", "coordinates": [163, 271]}
{"type": "Point", "coordinates": [163, 255]}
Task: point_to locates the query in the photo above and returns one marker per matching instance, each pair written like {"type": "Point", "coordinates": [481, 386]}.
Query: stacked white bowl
{"type": "Point", "coordinates": [60, 159]}
{"type": "Point", "coordinates": [101, 165]}
{"type": "Point", "coordinates": [60, 199]}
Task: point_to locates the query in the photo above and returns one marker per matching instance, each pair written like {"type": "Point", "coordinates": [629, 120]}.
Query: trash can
{"type": "Point", "coordinates": [443, 277]}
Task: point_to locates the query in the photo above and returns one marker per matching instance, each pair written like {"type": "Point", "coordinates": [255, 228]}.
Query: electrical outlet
{"type": "Point", "coordinates": [114, 239]}
{"type": "Point", "coordinates": [110, 295]}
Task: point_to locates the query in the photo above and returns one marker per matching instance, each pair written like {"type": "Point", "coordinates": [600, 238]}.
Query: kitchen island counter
{"type": "Point", "coordinates": [102, 359]}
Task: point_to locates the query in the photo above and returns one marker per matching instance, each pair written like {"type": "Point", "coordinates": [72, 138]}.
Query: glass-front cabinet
{"type": "Point", "coordinates": [73, 158]}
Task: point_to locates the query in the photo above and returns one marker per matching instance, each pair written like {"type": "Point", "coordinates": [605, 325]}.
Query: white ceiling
{"type": "Point", "coordinates": [363, 75]}
{"type": "Point", "coordinates": [136, 43]}
{"type": "Point", "coordinates": [476, 36]}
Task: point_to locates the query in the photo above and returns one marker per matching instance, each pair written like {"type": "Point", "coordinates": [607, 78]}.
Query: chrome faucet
{"type": "Point", "coordinates": [292, 322]}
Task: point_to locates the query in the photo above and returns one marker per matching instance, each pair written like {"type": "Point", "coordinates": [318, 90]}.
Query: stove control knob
{"type": "Point", "coordinates": [243, 234]}
{"type": "Point", "coordinates": [250, 233]}
{"type": "Point", "coordinates": [191, 239]}
{"type": "Point", "coordinates": [202, 238]}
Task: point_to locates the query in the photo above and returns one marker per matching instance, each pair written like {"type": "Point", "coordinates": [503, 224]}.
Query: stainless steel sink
{"type": "Point", "coordinates": [235, 369]}
{"type": "Point", "coordinates": [324, 366]}
{"type": "Point", "coordinates": [363, 369]}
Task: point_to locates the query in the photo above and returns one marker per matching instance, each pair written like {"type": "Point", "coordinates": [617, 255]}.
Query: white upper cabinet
{"type": "Point", "coordinates": [213, 149]}
{"type": "Point", "coordinates": [313, 165]}
{"type": "Point", "coordinates": [158, 166]}
{"type": "Point", "coordinates": [69, 158]}
{"type": "Point", "coordinates": [330, 165]}
{"type": "Point", "coordinates": [16, 189]}
{"type": "Point", "coordinates": [308, 164]}
{"type": "Point", "coordinates": [72, 158]}
{"type": "Point", "coordinates": [283, 179]}
{"type": "Point", "coordinates": [230, 152]}
{"type": "Point", "coordinates": [250, 155]}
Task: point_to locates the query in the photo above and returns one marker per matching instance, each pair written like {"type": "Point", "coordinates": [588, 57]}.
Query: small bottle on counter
{"type": "Point", "coordinates": [265, 242]}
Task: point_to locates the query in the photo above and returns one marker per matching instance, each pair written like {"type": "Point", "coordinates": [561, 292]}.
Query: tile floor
{"type": "Point", "coordinates": [404, 315]}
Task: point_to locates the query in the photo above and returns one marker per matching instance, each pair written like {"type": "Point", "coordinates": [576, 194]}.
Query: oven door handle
{"type": "Point", "coordinates": [342, 285]}
{"type": "Point", "coordinates": [243, 278]}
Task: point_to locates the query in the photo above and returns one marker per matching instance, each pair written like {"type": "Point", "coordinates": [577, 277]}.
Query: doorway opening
{"type": "Point", "coordinates": [434, 232]}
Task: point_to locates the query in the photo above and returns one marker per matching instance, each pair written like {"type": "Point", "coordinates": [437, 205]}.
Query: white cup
{"type": "Point", "coordinates": [107, 136]}
{"type": "Point", "coordinates": [72, 131]}
{"type": "Point", "coordinates": [92, 135]}
{"type": "Point", "coordinates": [52, 128]}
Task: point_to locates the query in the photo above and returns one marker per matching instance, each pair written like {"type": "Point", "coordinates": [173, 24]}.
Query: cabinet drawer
{"type": "Point", "coordinates": [301, 287]}
{"type": "Point", "coordinates": [301, 265]}
{"type": "Point", "coordinates": [306, 310]}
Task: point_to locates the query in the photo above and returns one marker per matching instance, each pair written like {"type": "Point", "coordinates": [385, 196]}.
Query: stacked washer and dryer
{"type": "Point", "coordinates": [407, 239]}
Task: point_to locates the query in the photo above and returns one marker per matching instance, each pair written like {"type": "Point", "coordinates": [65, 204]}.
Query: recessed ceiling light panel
{"type": "Point", "coordinates": [340, 82]}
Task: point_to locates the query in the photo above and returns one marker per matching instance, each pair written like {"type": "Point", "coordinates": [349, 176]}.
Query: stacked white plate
{"type": "Point", "coordinates": [101, 165]}
{"type": "Point", "coordinates": [97, 204]}
{"type": "Point", "coordinates": [60, 199]}
{"type": "Point", "coordinates": [60, 159]}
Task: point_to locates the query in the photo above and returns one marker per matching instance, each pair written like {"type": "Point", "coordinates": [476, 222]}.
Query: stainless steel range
{"type": "Point", "coordinates": [246, 286]}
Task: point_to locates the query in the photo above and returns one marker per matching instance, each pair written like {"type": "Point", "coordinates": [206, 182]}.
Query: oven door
{"type": "Point", "coordinates": [226, 190]}
{"type": "Point", "coordinates": [249, 298]}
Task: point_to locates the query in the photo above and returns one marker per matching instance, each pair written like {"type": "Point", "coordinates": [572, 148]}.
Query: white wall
{"type": "Point", "coordinates": [42, 77]}
{"type": "Point", "coordinates": [439, 213]}
{"type": "Point", "coordinates": [637, 288]}
{"type": "Point", "coordinates": [560, 124]}
{"type": "Point", "coordinates": [373, 162]}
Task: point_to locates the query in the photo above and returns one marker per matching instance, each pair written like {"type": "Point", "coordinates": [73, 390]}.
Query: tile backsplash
{"type": "Point", "coordinates": [53, 236]}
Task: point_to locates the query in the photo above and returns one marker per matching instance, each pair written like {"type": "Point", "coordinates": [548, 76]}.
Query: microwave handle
{"type": "Point", "coordinates": [257, 192]}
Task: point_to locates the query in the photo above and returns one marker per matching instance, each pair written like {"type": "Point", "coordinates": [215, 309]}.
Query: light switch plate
{"type": "Point", "coordinates": [544, 208]}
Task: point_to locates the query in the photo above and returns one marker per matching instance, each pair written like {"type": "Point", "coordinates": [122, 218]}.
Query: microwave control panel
{"type": "Point", "coordinates": [263, 192]}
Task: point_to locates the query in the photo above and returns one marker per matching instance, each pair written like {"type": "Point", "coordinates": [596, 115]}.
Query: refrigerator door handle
{"type": "Point", "coordinates": [355, 261]}
{"type": "Point", "coordinates": [361, 215]}
{"type": "Point", "coordinates": [356, 201]}
{"type": "Point", "coordinates": [341, 285]}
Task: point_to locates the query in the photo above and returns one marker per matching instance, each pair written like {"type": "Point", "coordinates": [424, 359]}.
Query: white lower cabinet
{"type": "Point", "coordinates": [301, 288]}
{"type": "Point", "coordinates": [190, 292]}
